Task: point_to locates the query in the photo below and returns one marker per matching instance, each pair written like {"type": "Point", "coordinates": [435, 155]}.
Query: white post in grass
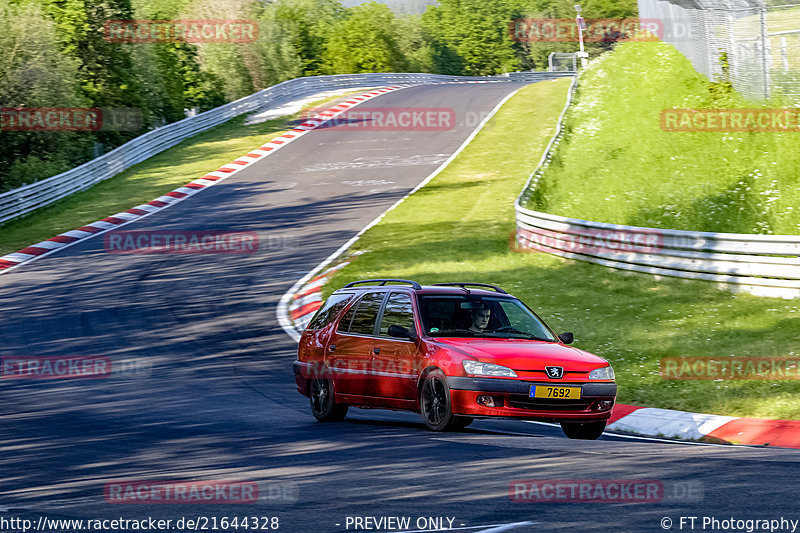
{"type": "Point", "coordinates": [581, 27]}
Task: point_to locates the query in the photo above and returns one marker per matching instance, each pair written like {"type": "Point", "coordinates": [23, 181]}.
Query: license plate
{"type": "Point", "coordinates": [563, 393]}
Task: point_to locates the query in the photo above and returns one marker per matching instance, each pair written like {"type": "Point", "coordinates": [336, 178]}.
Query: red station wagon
{"type": "Point", "coordinates": [453, 352]}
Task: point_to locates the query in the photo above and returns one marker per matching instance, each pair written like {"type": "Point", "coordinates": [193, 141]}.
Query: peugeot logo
{"type": "Point", "coordinates": [554, 372]}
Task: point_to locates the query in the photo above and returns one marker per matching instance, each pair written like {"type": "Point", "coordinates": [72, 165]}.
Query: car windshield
{"type": "Point", "coordinates": [469, 315]}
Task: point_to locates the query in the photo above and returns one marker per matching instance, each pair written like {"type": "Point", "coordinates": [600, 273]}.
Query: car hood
{"type": "Point", "coordinates": [524, 354]}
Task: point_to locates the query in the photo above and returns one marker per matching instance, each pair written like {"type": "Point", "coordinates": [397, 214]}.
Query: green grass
{"type": "Point", "coordinates": [617, 165]}
{"type": "Point", "coordinates": [191, 159]}
{"type": "Point", "coordinates": [457, 228]}
{"type": "Point", "coordinates": [778, 19]}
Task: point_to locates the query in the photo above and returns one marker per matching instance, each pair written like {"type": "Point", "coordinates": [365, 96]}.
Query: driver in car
{"type": "Point", "coordinates": [480, 320]}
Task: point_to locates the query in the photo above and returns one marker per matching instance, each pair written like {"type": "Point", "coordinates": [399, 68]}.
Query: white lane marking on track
{"type": "Point", "coordinates": [51, 504]}
{"type": "Point", "coordinates": [493, 528]}
{"type": "Point", "coordinates": [367, 183]}
{"type": "Point", "coordinates": [378, 162]}
{"type": "Point", "coordinates": [506, 527]}
{"type": "Point", "coordinates": [282, 311]}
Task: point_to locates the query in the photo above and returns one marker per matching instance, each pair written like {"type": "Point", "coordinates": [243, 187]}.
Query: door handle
{"type": "Point", "coordinates": [376, 351]}
{"type": "Point", "coordinates": [332, 348]}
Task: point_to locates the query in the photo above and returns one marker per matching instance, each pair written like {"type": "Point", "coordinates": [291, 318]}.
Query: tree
{"type": "Point", "coordinates": [366, 40]}
{"type": "Point", "coordinates": [106, 72]}
{"type": "Point", "coordinates": [534, 54]}
{"type": "Point", "coordinates": [276, 47]}
{"type": "Point", "coordinates": [307, 25]}
{"type": "Point", "coordinates": [415, 44]}
{"type": "Point", "coordinates": [33, 73]}
{"type": "Point", "coordinates": [235, 65]}
{"type": "Point", "coordinates": [473, 35]}
{"type": "Point", "coordinates": [171, 70]}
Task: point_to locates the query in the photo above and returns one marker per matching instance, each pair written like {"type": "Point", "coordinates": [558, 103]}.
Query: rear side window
{"type": "Point", "coordinates": [329, 310]}
{"type": "Point", "coordinates": [398, 312]}
{"type": "Point", "coordinates": [362, 315]}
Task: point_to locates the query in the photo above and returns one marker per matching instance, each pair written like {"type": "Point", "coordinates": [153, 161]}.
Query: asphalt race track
{"type": "Point", "coordinates": [215, 399]}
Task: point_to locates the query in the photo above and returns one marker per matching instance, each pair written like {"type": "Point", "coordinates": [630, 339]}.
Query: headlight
{"type": "Point", "coordinates": [477, 368]}
{"type": "Point", "coordinates": [602, 373]}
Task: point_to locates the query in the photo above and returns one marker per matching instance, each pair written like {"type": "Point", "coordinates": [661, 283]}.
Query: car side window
{"type": "Point", "coordinates": [364, 314]}
{"type": "Point", "coordinates": [344, 324]}
{"type": "Point", "coordinates": [397, 312]}
{"type": "Point", "coordinates": [329, 310]}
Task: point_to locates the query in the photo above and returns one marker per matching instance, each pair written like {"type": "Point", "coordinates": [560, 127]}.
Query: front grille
{"type": "Point", "coordinates": [520, 401]}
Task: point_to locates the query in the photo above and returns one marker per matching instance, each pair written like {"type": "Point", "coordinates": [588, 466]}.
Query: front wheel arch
{"type": "Point", "coordinates": [421, 379]}
{"type": "Point", "coordinates": [435, 403]}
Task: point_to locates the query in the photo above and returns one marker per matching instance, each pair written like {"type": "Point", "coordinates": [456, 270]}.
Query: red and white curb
{"type": "Point", "coordinates": [59, 242]}
{"type": "Point", "coordinates": [308, 299]}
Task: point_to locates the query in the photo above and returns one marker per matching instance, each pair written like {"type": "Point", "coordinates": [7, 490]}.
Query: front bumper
{"type": "Point", "coordinates": [512, 399]}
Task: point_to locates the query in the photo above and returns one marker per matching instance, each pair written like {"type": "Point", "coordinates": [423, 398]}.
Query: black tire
{"type": "Point", "coordinates": [583, 430]}
{"type": "Point", "coordinates": [323, 406]}
{"type": "Point", "coordinates": [434, 402]}
{"type": "Point", "coordinates": [461, 422]}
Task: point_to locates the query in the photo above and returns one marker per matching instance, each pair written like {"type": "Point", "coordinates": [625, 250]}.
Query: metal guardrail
{"type": "Point", "coordinates": [763, 265]}
{"type": "Point", "coordinates": [44, 192]}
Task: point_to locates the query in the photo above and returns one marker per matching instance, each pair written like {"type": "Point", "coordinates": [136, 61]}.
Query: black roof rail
{"type": "Point", "coordinates": [384, 281]}
{"type": "Point", "coordinates": [464, 286]}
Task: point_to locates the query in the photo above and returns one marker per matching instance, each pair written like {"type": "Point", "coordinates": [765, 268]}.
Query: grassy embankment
{"type": "Point", "coordinates": [618, 165]}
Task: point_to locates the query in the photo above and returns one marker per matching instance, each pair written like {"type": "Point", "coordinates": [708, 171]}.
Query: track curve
{"type": "Point", "coordinates": [218, 399]}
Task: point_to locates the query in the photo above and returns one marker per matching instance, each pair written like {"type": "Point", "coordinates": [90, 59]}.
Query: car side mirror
{"type": "Point", "coordinates": [402, 333]}
{"type": "Point", "coordinates": [567, 337]}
